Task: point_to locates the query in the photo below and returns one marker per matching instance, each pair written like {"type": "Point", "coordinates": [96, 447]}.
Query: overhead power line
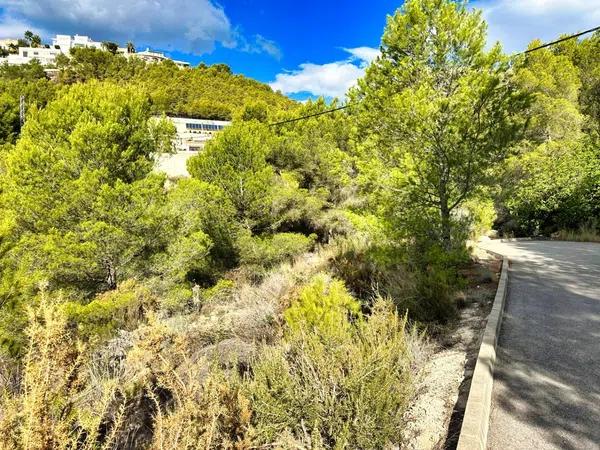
{"type": "Point", "coordinates": [312, 115]}
{"type": "Point", "coordinates": [549, 44]}
{"type": "Point", "coordinates": [573, 36]}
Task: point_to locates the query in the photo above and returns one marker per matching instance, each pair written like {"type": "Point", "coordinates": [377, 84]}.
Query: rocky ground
{"type": "Point", "coordinates": [435, 418]}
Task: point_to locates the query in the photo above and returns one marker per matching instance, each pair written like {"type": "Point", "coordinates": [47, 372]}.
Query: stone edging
{"type": "Point", "coordinates": [537, 238]}
{"type": "Point", "coordinates": [476, 421]}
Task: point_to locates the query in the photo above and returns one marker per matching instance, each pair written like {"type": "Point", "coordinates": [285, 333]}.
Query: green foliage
{"type": "Point", "coordinates": [343, 386]}
{"type": "Point", "coordinates": [32, 40]}
{"type": "Point", "coordinates": [52, 407]}
{"type": "Point", "coordinates": [236, 162]}
{"type": "Point", "coordinates": [316, 149]}
{"type": "Point", "coordinates": [552, 183]}
{"type": "Point", "coordinates": [553, 81]}
{"type": "Point", "coordinates": [419, 278]}
{"type": "Point", "coordinates": [195, 205]}
{"type": "Point", "coordinates": [254, 111]}
{"type": "Point", "coordinates": [83, 212]}
{"type": "Point", "coordinates": [324, 305]}
{"type": "Point", "coordinates": [267, 251]}
{"type": "Point", "coordinates": [481, 214]}
{"type": "Point", "coordinates": [589, 232]}
{"type": "Point", "coordinates": [29, 81]}
{"type": "Point", "coordinates": [446, 109]}
{"type": "Point", "coordinates": [121, 309]}
{"type": "Point", "coordinates": [187, 255]}
{"type": "Point", "coordinates": [294, 208]}
{"type": "Point", "coordinates": [88, 64]}
{"type": "Point", "coordinates": [557, 187]}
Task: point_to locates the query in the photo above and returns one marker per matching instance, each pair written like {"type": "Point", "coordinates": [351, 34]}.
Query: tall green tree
{"type": "Point", "coordinates": [110, 47]}
{"type": "Point", "coordinates": [236, 162]}
{"type": "Point", "coordinates": [553, 182]}
{"type": "Point", "coordinates": [80, 210]}
{"type": "Point", "coordinates": [33, 40]}
{"type": "Point", "coordinates": [436, 109]}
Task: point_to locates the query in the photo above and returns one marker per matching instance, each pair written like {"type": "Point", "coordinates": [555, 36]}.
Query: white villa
{"type": "Point", "coordinates": [66, 42]}
{"type": "Point", "coordinates": [153, 57]}
{"type": "Point", "coordinates": [63, 43]}
{"type": "Point", "coordinates": [192, 136]}
{"type": "Point", "coordinates": [45, 56]}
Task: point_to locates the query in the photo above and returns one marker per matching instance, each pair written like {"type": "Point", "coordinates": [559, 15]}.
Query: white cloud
{"type": "Point", "coordinates": [12, 27]}
{"type": "Point", "coordinates": [193, 26]}
{"type": "Point", "coordinates": [516, 23]}
{"type": "Point", "coordinates": [331, 79]}
{"type": "Point", "coordinates": [365, 54]}
{"type": "Point", "coordinates": [260, 44]}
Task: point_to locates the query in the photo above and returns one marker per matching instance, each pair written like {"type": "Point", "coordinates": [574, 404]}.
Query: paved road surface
{"type": "Point", "coordinates": [546, 391]}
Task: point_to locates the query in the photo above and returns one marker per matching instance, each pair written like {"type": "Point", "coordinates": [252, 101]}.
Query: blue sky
{"type": "Point", "coordinates": [306, 48]}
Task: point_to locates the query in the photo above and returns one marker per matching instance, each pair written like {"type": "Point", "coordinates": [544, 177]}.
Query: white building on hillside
{"type": "Point", "coordinates": [45, 56]}
{"type": "Point", "coordinates": [192, 136]}
{"type": "Point", "coordinates": [66, 42]}
{"type": "Point", "coordinates": [154, 57]}
{"type": "Point", "coordinates": [63, 43]}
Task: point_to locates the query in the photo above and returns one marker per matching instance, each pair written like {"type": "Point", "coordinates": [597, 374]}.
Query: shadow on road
{"type": "Point", "coordinates": [547, 380]}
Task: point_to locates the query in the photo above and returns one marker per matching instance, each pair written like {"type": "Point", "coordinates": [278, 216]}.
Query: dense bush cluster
{"type": "Point", "coordinates": [552, 182]}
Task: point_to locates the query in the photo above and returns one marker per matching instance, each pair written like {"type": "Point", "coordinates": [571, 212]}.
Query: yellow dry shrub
{"type": "Point", "coordinates": [45, 412]}
{"type": "Point", "coordinates": [336, 387]}
{"type": "Point", "coordinates": [208, 411]}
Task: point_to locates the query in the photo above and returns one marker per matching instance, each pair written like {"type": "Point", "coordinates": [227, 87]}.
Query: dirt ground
{"type": "Point", "coordinates": [435, 418]}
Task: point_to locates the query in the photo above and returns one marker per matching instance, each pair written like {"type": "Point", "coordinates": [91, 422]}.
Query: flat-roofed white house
{"type": "Point", "coordinates": [45, 56]}
{"type": "Point", "coordinates": [192, 135]}
{"type": "Point", "coordinates": [155, 57]}
{"type": "Point", "coordinates": [63, 43]}
{"type": "Point", "coordinates": [66, 42]}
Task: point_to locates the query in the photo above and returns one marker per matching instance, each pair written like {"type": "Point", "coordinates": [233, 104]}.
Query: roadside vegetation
{"type": "Point", "coordinates": [280, 297]}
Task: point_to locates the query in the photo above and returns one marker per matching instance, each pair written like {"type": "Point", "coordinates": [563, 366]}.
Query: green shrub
{"type": "Point", "coordinates": [585, 233]}
{"type": "Point", "coordinates": [187, 256]}
{"type": "Point", "coordinates": [482, 215]}
{"type": "Point", "coordinates": [53, 407]}
{"type": "Point", "coordinates": [221, 289]}
{"type": "Point", "coordinates": [123, 308]}
{"type": "Point", "coordinates": [268, 251]}
{"type": "Point", "coordinates": [199, 206]}
{"type": "Point", "coordinates": [294, 208]}
{"type": "Point", "coordinates": [335, 387]}
{"type": "Point", "coordinates": [322, 304]}
{"type": "Point", "coordinates": [420, 279]}
{"type": "Point", "coordinates": [176, 298]}
{"type": "Point", "coordinates": [235, 161]}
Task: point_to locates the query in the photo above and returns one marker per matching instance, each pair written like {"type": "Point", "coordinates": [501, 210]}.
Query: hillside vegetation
{"type": "Point", "coordinates": [281, 296]}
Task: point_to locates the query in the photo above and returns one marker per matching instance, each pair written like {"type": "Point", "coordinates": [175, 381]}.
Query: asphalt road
{"type": "Point", "coordinates": [546, 392]}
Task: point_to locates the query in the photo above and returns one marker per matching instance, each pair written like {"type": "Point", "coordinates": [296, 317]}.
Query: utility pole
{"type": "Point", "coordinates": [22, 110]}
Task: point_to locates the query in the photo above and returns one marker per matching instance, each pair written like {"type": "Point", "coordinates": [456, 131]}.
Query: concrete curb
{"type": "Point", "coordinates": [476, 421]}
{"type": "Point", "coordinates": [524, 239]}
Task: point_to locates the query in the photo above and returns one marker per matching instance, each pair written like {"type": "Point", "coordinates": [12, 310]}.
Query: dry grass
{"type": "Point", "coordinates": [588, 233]}
{"type": "Point", "coordinates": [337, 387]}
{"type": "Point", "coordinates": [55, 407]}
{"type": "Point", "coordinates": [212, 413]}
{"type": "Point", "coordinates": [185, 381]}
